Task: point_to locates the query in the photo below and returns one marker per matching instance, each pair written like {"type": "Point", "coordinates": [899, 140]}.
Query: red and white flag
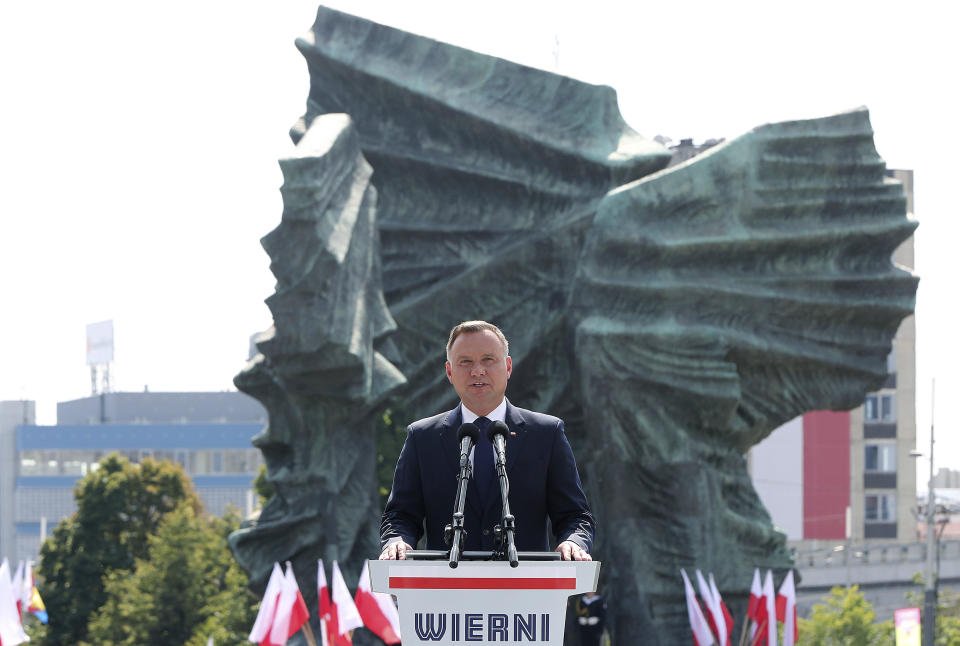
{"type": "Point", "coordinates": [770, 609]}
{"type": "Point", "coordinates": [714, 616]}
{"type": "Point", "coordinates": [756, 610]}
{"type": "Point", "coordinates": [26, 589]}
{"type": "Point", "coordinates": [787, 609]}
{"type": "Point", "coordinates": [260, 634]}
{"type": "Point", "coordinates": [18, 591]}
{"type": "Point", "coordinates": [727, 617]}
{"type": "Point", "coordinates": [698, 623]}
{"type": "Point", "coordinates": [291, 610]}
{"type": "Point", "coordinates": [377, 610]}
{"type": "Point", "coordinates": [343, 608]}
{"type": "Point", "coordinates": [11, 631]}
{"type": "Point", "coordinates": [327, 627]}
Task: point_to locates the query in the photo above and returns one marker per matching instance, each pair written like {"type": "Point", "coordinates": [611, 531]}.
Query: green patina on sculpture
{"type": "Point", "coordinates": [672, 317]}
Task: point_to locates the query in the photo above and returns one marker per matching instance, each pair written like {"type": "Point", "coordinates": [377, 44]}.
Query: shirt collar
{"type": "Point", "coordinates": [498, 414]}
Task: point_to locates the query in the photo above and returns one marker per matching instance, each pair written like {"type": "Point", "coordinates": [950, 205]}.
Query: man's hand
{"type": "Point", "coordinates": [569, 551]}
{"type": "Point", "coordinates": [395, 551]}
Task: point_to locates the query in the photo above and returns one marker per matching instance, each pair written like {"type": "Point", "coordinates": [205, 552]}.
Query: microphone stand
{"type": "Point", "coordinates": [505, 530]}
{"type": "Point", "coordinates": [454, 533]}
{"type": "Point", "coordinates": [504, 533]}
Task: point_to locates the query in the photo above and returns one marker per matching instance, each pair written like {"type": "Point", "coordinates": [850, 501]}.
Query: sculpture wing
{"type": "Point", "coordinates": [749, 284]}
{"type": "Point", "coordinates": [714, 301]}
{"type": "Point", "coordinates": [488, 175]}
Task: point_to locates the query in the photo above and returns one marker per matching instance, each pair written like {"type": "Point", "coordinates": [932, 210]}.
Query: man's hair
{"type": "Point", "coordinates": [476, 326]}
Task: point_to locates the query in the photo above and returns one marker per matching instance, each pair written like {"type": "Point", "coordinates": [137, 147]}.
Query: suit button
{"type": "Point", "coordinates": [486, 532]}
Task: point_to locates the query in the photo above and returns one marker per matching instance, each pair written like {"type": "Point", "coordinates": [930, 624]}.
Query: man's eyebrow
{"type": "Point", "coordinates": [485, 355]}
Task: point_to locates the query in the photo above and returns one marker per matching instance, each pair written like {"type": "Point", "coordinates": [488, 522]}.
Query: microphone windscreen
{"type": "Point", "coordinates": [470, 430]}
{"type": "Point", "coordinates": [497, 428]}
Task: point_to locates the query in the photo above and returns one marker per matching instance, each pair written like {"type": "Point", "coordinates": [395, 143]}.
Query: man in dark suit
{"type": "Point", "coordinates": [544, 483]}
{"type": "Point", "coordinates": [591, 612]}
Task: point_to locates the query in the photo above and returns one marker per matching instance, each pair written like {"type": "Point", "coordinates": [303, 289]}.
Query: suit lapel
{"type": "Point", "coordinates": [518, 433]}
{"type": "Point", "coordinates": [448, 439]}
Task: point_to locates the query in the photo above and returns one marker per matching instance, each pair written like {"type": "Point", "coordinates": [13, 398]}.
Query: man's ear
{"type": "Point", "coordinates": [449, 372]}
{"type": "Point", "coordinates": [509, 366]}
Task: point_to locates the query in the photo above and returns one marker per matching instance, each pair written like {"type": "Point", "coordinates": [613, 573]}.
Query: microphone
{"type": "Point", "coordinates": [497, 434]}
{"type": "Point", "coordinates": [468, 436]}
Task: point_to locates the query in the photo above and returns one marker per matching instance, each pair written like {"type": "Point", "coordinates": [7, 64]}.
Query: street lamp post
{"type": "Point", "coordinates": [930, 589]}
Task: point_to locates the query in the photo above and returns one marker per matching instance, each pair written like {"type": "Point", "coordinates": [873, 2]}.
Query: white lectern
{"type": "Point", "coordinates": [483, 601]}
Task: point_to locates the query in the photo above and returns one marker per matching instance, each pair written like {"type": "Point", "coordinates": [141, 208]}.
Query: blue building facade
{"type": "Point", "coordinates": [208, 434]}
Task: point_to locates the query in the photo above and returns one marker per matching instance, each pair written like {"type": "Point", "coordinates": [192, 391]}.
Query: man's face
{"type": "Point", "coordinates": [478, 369]}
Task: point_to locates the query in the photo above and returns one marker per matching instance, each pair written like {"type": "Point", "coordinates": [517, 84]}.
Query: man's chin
{"type": "Point", "coordinates": [482, 405]}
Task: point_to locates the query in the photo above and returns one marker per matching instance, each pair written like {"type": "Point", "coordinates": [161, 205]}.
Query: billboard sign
{"type": "Point", "coordinates": [99, 343]}
{"type": "Point", "coordinates": [907, 622]}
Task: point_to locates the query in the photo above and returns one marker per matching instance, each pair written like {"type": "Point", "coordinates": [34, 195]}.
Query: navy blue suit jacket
{"type": "Point", "coordinates": [544, 483]}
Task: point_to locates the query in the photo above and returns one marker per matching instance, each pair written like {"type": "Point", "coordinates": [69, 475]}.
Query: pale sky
{"type": "Point", "coordinates": [139, 145]}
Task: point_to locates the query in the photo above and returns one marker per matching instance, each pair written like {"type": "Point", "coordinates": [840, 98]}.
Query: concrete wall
{"type": "Point", "coordinates": [12, 413]}
{"type": "Point", "coordinates": [905, 356]}
{"type": "Point", "coordinates": [884, 571]}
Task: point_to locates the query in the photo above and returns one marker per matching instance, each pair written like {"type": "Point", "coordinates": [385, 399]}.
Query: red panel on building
{"type": "Point", "coordinates": [826, 474]}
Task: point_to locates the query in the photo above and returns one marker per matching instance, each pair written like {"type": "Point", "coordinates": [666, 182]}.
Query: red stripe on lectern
{"type": "Point", "coordinates": [474, 583]}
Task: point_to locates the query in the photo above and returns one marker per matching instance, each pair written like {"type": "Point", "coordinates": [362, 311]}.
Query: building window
{"type": "Point", "coordinates": [879, 407]}
{"type": "Point", "coordinates": [199, 462]}
{"type": "Point", "coordinates": [880, 458]}
{"type": "Point", "coordinates": [52, 464]}
{"type": "Point", "coordinates": [132, 456]}
{"type": "Point", "coordinates": [880, 508]}
{"type": "Point", "coordinates": [74, 467]}
{"type": "Point", "coordinates": [237, 461]}
{"type": "Point", "coordinates": [163, 456]}
{"type": "Point", "coordinates": [29, 465]}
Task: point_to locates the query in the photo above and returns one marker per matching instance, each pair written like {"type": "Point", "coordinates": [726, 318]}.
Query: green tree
{"type": "Point", "coordinates": [948, 612]}
{"type": "Point", "coordinates": [186, 590]}
{"type": "Point", "coordinates": [232, 609]}
{"type": "Point", "coordinates": [36, 631]}
{"type": "Point", "coordinates": [845, 618]}
{"type": "Point", "coordinates": [948, 630]}
{"type": "Point", "coordinates": [948, 618]}
{"type": "Point", "coordinates": [262, 486]}
{"type": "Point", "coordinates": [949, 602]}
{"type": "Point", "coordinates": [118, 507]}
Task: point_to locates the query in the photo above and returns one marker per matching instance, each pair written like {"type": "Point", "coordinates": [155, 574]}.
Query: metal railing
{"type": "Point", "coordinates": [874, 563]}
